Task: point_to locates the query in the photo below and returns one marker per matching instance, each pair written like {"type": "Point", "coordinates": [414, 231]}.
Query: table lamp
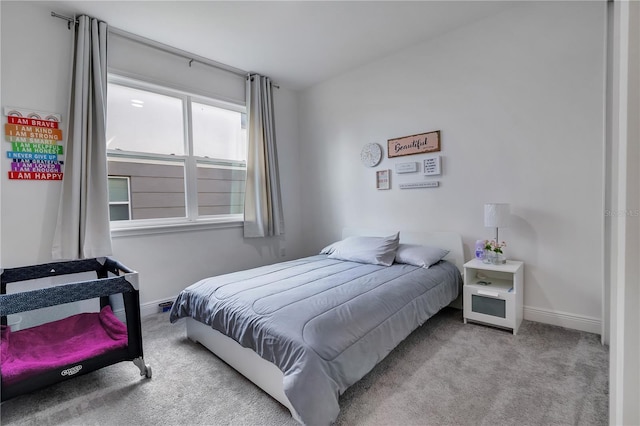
{"type": "Point", "coordinates": [496, 215]}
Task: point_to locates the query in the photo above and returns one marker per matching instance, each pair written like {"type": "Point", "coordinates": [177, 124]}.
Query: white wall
{"type": "Point", "coordinates": [36, 55]}
{"type": "Point", "coordinates": [134, 59]}
{"type": "Point", "coordinates": [36, 58]}
{"type": "Point", "coordinates": [519, 99]}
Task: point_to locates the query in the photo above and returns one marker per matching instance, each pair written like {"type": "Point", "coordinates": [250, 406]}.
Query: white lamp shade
{"type": "Point", "coordinates": [496, 215]}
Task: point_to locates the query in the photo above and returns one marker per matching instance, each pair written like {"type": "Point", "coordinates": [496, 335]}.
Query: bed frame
{"type": "Point", "coordinates": [267, 375]}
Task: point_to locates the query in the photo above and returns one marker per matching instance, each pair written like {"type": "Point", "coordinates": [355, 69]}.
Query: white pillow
{"type": "Point", "coordinates": [330, 248]}
{"type": "Point", "coordinates": [417, 255]}
{"type": "Point", "coordinates": [374, 250]}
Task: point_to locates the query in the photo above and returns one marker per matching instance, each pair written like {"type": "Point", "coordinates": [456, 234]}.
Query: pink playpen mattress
{"type": "Point", "coordinates": [55, 344]}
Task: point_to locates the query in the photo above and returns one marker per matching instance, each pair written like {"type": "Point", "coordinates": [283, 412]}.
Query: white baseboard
{"type": "Point", "coordinates": [564, 319]}
{"type": "Point", "coordinates": [151, 308]}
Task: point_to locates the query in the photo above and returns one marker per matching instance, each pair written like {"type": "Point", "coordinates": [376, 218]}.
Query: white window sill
{"type": "Point", "coordinates": [128, 229]}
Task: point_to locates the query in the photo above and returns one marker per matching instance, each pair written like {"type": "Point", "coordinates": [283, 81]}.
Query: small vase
{"type": "Point", "coordinates": [498, 259]}
{"type": "Point", "coordinates": [488, 256]}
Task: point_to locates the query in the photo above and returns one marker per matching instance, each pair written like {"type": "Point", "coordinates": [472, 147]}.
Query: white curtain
{"type": "Point", "coordinates": [82, 230]}
{"type": "Point", "coordinates": [262, 202]}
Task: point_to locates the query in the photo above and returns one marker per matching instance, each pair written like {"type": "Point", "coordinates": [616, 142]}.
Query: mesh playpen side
{"type": "Point", "coordinates": [113, 278]}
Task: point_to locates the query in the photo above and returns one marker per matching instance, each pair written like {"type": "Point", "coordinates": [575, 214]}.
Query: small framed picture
{"type": "Point", "coordinates": [432, 166]}
{"type": "Point", "coordinates": [383, 179]}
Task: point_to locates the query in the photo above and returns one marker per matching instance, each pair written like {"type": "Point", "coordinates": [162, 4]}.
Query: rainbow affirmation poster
{"type": "Point", "coordinates": [35, 149]}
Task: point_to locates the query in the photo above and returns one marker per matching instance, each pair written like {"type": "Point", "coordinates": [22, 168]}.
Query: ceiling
{"type": "Point", "coordinates": [296, 43]}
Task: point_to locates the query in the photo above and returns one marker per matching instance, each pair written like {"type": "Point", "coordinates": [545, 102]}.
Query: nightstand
{"type": "Point", "coordinates": [493, 294]}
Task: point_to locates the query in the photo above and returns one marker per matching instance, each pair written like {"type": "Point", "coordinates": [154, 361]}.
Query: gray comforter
{"type": "Point", "coordinates": [325, 323]}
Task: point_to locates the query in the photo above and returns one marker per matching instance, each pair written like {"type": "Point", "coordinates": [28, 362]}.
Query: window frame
{"type": "Point", "coordinates": [119, 203]}
{"type": "Point", "coordinates": [191, 221]}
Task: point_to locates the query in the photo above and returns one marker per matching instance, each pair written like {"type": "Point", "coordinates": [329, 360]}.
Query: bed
{"type": "Point", "coordinates": [307, 329]}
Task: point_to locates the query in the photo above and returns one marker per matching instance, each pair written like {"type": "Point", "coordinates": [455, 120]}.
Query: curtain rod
{"type": "Point", "coordinates": [66, 18]}
{"type": "Point", "coordinates": [163, 47]}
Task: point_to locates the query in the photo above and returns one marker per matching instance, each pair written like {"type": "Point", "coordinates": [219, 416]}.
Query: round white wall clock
{"type": "Point", "coordinates": [371, 154]}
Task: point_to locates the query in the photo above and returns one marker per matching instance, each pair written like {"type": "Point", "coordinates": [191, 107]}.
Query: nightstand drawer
{"type": "Point", "coordinates": [493, 306]}
{"type": "Point", "coordinates": [488, 306]}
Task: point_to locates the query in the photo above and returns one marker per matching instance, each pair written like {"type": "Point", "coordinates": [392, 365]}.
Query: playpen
{"type": "Point", "coordinates": [45, 354]}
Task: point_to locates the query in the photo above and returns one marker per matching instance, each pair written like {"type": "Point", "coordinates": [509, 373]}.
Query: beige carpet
{"type": "Point", "coordinates": [445, 373]}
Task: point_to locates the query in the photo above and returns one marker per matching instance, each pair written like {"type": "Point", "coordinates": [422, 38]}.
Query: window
{"type": "Point", "coordinates": [119, 205]}
{"type": "Point", "coordinates": [219, 135]}
{"type": "Point", "coordinates": [184, 155]}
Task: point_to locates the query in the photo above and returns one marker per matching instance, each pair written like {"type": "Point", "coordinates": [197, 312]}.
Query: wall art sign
{"type": "Point", "coordinates": [34, 138]}
{"type": "Point", "coordinates": [411, 167]}
{"type": "Point", "coordinates": [430, 184]}
{"type": "Point", "coordinates": [383, 179]}
{"type": "Point", "coordinates": [432, 166]}
{"type": "Point", "coordinates": [415, 144]}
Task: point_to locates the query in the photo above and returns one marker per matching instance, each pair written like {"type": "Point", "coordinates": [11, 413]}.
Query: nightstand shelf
{"type": "Point", "coordinates": [493, 294]}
